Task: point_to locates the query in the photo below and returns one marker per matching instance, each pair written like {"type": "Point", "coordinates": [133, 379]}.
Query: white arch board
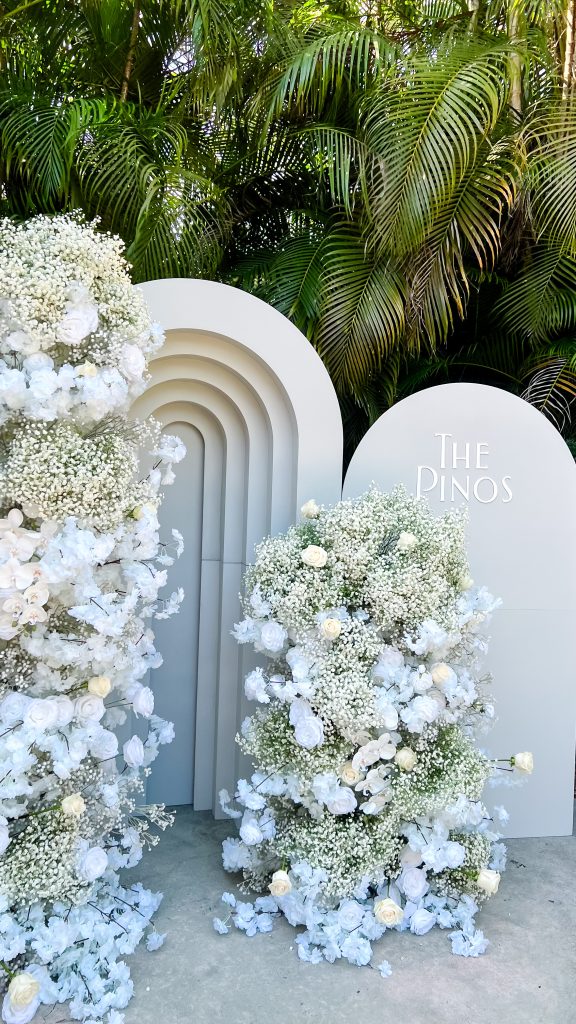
{"type": "Point", "coordinates": [267, 435]}
{"type": "Point", "coordinates": [480, 446]}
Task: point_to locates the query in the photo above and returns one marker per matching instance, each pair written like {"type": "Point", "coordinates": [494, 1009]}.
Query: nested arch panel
{"type": "Point", "coordinates": [259, 408]}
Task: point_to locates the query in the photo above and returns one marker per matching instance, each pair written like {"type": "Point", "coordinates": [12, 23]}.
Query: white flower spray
{"type": "Point", "coordinates": [365, 811]}
{"type": "Point", "coordinates": [81, 568]}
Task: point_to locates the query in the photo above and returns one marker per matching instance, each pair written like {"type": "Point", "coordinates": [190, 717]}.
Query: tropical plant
{"type": "Point", "coordinates": [395, 177]}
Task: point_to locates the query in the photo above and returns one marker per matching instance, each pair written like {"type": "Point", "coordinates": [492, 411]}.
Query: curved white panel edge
{"type": "Point", "coordinates": [474, 445]}
{"type": "Point", "coordinates": [266, 436]}
{"type": "Point", "coordinates": [189, 304]}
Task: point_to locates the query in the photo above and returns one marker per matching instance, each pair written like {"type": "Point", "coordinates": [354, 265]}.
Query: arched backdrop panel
{"type": "Point", "coordinates": [476, 446]}
{"type": "Point", "coordinates": [258, 413]}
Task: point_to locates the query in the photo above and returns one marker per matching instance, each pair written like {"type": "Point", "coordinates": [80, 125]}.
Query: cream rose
{"type": "Point", "coordinates": [441, 673]}
{"type": "Point", "coordinates": [331, 629]}
{"type": "Point", "coordinates": [86, 370]}
{"type": "Point", "coordinates": [465, 581]}
{"type": "Point", "coordinates": [100, 686]}
{"type": "Point", "coordinates": [406, 542]}
{"type": "Point", "coordinates": [74, 805]}
{"type": "Point", "coordinates": [23, 990]}
{"type": "Point", "coordinates": [406, 758]}
{"type": "Point", "coordinates": [488, 880]}
{"type": "Point", "coordinates": [349, 774]}
{"type": "Point", "coordinates": [310, 510]}
{"type": "Point", "coordinates": [314, 556]}
{"type": "Point", "coordinates": [388, 912]}
{"type": "Point", "coordinates": [280, 884]}
{"type": "Point", "coordinates": [524, 762]}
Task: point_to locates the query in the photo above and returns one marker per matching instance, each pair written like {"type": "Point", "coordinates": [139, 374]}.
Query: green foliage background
{"type": "Point", "coordinates": [397, 178]}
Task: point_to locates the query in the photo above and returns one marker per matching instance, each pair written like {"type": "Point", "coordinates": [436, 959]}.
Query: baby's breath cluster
{"type": "Point", "coordinates": [54, 472]}
{"type": "Point", "coordinates": [365, 812]}
{"type": "Point", "coordinates": [82, 567]}
{"type": "Point", "coordinates": [75, 334]}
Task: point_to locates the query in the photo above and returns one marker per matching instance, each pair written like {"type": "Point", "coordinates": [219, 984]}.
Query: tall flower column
{"type": "Point", "coordinates": [364, 814]}
{"type": "Point", "coordinates": [81, 566]}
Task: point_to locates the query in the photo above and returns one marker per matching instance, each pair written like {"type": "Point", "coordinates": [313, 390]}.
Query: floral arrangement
{"type": "Point", "coordinates": [81, 566]}
{"type": "Point", "coordinates": [365, 811]}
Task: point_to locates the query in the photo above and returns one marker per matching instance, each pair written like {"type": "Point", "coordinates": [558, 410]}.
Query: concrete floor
{"type": "Point", "coordinates": [527, 976]}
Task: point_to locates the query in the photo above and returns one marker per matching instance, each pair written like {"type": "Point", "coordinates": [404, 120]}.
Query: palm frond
{"type": "Point", "coordinates": [425, 137]}
{"type": "Point", "coordinates": [362, 316]}
{"type": "Point", "coordinates": [321, 65]}
{"type": "Point", "coordinates": [541, 301]}
{"type": "Point", "coordinates": [552, 390]}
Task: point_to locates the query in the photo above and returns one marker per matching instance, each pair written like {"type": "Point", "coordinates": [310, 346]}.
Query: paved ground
{"type": "Point", "coordinates": [527, 976]}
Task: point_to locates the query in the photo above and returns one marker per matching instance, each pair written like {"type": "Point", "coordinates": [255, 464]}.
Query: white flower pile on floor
{"type": "Point", "coordinates": [365, 810]}
{"type": "Point", "coordinates": [81, 566]}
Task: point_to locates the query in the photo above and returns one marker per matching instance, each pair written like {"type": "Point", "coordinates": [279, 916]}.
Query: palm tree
{"type": "Point", "coordinates": [395, 177]}
{"type": "Point", "coordinates": [442, 244]}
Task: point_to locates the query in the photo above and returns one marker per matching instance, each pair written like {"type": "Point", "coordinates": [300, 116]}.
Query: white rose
{"type": "Point", "coordinates": [349, 774]}
{"type": "Point", "coordinates": [524, 762]}
{"type": "Point", "coordinates": [250, 833]}
{"type": "Point", "coordinates": [10, 1015]}
{"type": "Point", "coordinates": [310, 510]}
{"type": "Point", "coordinates": [23, 990]}
{"type": "Point", "coordinates": [89, 708]}
{"type": "Point", "coordinates": [104, 745]}
{"type": "Point", "coordinates": [74, 805]}
{"type": "Point", "coordinates": [93, 863]}
{"type": "Point", "coordinates": [280, 884]}
{"type": "Point", "coordinates": [143, 702]}
{"type": "Point", "coordinates": [441, 673]}
{"type": "Point", "coordinates": [388, 912]}
{"type": "Point", "coordinates": [273, 636]}
{"type": "Point", "coordinates": [406, 758]}
{"type": "Point", "coordinates": [331, 629]}
{"type": "Point", "coordinates": [465, 582]}
{"type": "Point", "coordinates": [309, 732]}
{"type": "Point", "coordinates": [132, 362]}
{"type": "Point", "coordinates": [413, 883]}
{"type": "Point", "coordinates": [406, 542]}
{"type": "Point", "coordinates": [100, 686]}
{"type": "Point", "coordinates": [133, 751]}
{"type": "Point", "coordinates": [13, 707]}
{"type": "Point", "coordinates": [4, 835]}
{"type": "Point", "coordinates": [350, 915]}
{"type": "Point", "coordinates": [41, 714]}
{"type": "Point", "coordinates": [314, 556]}
{"type": "Point", "coordinates": [65, 709]}
{"type": "Point", "coordinates": [77, 323]}
{"type": "Point", "coordinates": [488, 881]}
{"type": "Point", "coordinates": [342, 801]}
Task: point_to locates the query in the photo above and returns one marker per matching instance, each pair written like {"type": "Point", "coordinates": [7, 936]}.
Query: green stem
{"type": "Point", "coordinates": [7, 970]}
